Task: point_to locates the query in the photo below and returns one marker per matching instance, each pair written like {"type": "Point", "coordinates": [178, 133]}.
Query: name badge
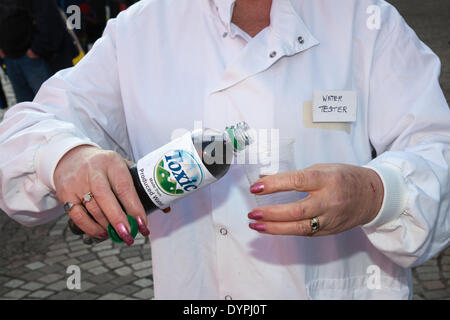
{"type": "Point", "coordinates": [334, 106]}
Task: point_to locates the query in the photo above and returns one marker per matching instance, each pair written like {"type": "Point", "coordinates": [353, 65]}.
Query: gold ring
{"type": "Point", "coordinates": [315, 224]}
{"type": "Point", "coordinates": [87, 197]}
{"type": "Point", "coordinates": [68, 206]}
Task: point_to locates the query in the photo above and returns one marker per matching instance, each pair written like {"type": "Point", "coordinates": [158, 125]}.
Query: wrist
{"type": "Point", "coordinates": [375, 194]}
{"type": "Point", "coordinates": [395, 193]}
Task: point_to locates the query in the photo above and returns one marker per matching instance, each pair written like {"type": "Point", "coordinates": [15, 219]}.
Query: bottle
{"type": "Point", "coordinates": [183, 166]}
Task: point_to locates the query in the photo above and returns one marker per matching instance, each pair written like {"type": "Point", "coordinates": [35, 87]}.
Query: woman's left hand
{"type": "Point", "coordinates": [341, 197]}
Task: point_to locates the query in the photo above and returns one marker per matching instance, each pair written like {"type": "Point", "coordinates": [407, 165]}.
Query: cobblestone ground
{"type": "Point", "coordinates": [33, 261]}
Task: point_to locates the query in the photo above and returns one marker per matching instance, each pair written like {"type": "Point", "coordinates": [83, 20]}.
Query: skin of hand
{"type": "Point", "coordinates": [31, 54]}
{"type": "Point", "coordinates": [105, 174]}
{"type": "Point", "coordinates": [341, 196]}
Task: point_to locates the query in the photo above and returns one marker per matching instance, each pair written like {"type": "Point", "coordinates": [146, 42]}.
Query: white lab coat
{"type": "Point", "coordinates": [163, 65]}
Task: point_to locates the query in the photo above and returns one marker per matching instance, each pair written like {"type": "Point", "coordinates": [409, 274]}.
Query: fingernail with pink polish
{"type": "Point", "coordinates": [142, 227]}
{"type": "Point", "coordinates": [124, 234]}
{"type": "Point", "coordinates": [257, 226]}
{"type": "Point", "coordinates": [257, 188]}
{"type": "Point", "coordinates": [257, 215]}
{"type": "Point", "coordinates": [103, 235]}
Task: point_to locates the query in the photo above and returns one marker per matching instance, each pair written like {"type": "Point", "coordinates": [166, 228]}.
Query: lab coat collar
{"type": "Point", "coordinates": [285, 22]}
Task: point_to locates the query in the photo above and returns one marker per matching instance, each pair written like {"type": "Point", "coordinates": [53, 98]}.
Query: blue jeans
{"type": "Point", "coordinates": [26, 76]}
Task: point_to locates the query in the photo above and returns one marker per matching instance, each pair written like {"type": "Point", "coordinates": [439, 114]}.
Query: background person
{"type": "Point", "coordinates": [35, 42]}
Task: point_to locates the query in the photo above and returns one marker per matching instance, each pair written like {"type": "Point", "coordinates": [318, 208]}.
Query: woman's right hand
{"type": "Point", "coordinates": [106, 176]}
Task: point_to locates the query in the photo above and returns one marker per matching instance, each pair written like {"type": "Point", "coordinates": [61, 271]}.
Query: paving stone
{"type": "Point", "coordinates": [102, 248]}
{"type": "Point", "coordinates": [77, 245]}
{"type": "Point", "coordinates": [86, 285]}
{"type": "Point", "coordinates": [90, 264]}
{"type": "Point", "coordinates": [70, 262]}
{"type": "Point", "coordinates": [58, 286]}
{"type": "Point", "coordinates": [33, 275]}
{"type": "Point", "coordinates": [133, 260]}
{"type": "Point", "coordinates": [64, 295]}
{"type": "Point", "coordinates": [445, 260]}
{"type": "Point", "coordinates": [106, 253]}
{"type": "Point", "coordinates": [16, 294]}
{"type": "Point", "coordinates": [432, 262]}
{"type": "Point", "coordinates": [115, 265]}
{"type": "Point", "coordinates": [54, 268]}
{"type": "Point", "coordinates": [70, 238]}
{"type": "Point", "coordinates": [436, 294]}
{"type": "Point", "coordinates": [145, 294]}
{"type": "Point", "coordinates": [418, 289]}
{"type": "Point", "coordinates": [129, 254]}
{"type": "Point", "coordinates": [78, 253]}
{"type": "Point", "coordinates": [112, 296]}
{"type": "Point", "coordinates": [427, 269]}
{"type": "Point", "coordinates": [58, 252]}
{"type": "Point", "coordinates": [85, 296]}
{"type": "Point", "coordinates": [139, 241]}
{"type": "Point", "coordinates": [102, 278]}
{"type": "Point", "coordinates": [143, 273]}
{"type": "Point", "coordinates": [120, 281]}
{"type": "Point", "coordinates": [102, 288]}
{"type": "Point", "coordinates": [56, 232]}
{"type": "Point", "coordinates": [147, 255]}
{"type": "Point", "coordinates": [429, 276]}
{"type": "Point", "coordinates": [434, 285]}
{"type": "Point", "coordinates": [18, 272]}
{"type": "Point", "coordinates": [52, 277]}
{"type": "Point", "coordinates": [32, 286]}
{"type": "Point", "coordinates": [16, 264]}
{"type": "Point", "coordinates": [142, 265]}
{"type": "Point", "coordinates": [110, 259]}
{"type": "Point", "coordinates": [40, 294]}
{"type": "Point", "coordinates": [55, 259]}
{"type": "Point", "coordinates": [15, 283]}
{"type": "Point", "coordinates": [4, 279]}
{"type": "Point", "coordinates": [4, 290]}
{"type": "Point", "coordinates": [87, 257]}
{"type": "Point", "coordinates": [144, 282]}
{"type": "Point", "coordinates": [35, 265]}
{"type": "Point", "coordinates": [123, 271]}
{"type": "Point", "coordinates": [127, 289]}
{"type": "Point", "coordinates": [98, 270]}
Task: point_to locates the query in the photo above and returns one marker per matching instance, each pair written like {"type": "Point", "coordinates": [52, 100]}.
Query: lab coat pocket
{"type": "Point", "coordinates": [357, 288]}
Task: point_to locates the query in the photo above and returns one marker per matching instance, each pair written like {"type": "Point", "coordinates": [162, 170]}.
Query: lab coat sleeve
{"type": "Point", "coordinates": [409, 127]}
{"type": "Point", "coordinates": [77, 106]}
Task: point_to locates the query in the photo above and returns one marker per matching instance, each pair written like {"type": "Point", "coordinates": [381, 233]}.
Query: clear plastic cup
{"type": "Point", "coordinates": [275, 156]}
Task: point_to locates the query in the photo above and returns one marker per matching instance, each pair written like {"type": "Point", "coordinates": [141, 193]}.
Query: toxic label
{"type": "Point", "coordinates": [173, 171]}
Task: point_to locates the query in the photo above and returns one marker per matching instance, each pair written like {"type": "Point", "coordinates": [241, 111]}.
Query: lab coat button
{"type": "Point", "coordinates": [227, 297]}
{"type": "Point", "coordinates": [223, 231]}
{"type": "Point", "coordinates": [225, 34]}
{"type": "Point", "coordinates": [273, 54]}
{"type": "Point", "coordinates": [301, 40]}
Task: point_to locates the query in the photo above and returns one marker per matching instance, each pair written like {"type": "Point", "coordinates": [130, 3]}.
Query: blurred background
{"type": "Point", "coordinates": [33, 261]}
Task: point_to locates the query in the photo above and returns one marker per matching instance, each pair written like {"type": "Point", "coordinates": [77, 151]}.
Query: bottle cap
{"type": "Point", "coordinates": [241, 136]}
{"type": "Point", "coordinates": [116, 238]}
